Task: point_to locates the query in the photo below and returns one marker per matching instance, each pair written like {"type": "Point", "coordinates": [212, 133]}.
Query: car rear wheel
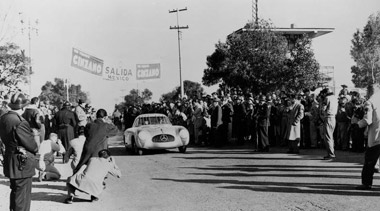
{"type": "Point", "coordinates": [182, 149]}
{"type": "Point", "coordinates": [125, 144]}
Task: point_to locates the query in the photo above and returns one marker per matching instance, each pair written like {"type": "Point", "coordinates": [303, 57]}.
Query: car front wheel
{"type": "Point", "coordinates": [136, 150]}
{"type": "Point", "coordinates": [182, 149]}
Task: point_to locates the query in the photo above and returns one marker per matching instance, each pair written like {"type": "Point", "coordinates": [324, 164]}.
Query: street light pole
{"type": "Point", "coordinates": [30, 29]}
{"type": "Point", "coordinates": [177, 27]}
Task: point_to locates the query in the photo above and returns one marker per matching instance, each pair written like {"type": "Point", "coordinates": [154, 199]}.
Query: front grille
{"type": "Point", "coordinates": [163, 138]}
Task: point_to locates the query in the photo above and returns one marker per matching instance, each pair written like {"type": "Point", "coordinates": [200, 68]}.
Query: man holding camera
{"type": "Point", "coordinates": [20, 149]}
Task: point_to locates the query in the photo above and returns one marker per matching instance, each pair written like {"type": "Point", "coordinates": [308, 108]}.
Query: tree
{"type": "Point", "coordinates": [301, 70]}
{"type": "Point", "coordinates": [191, 89]}
{"type": "Point", "coordinates": [134, 97]}
{"type": "Point", "coordinates": [365, 51]}
{"type": "Point", "coordinates": [13, 67]}
{"type": "Point", "coordinates": [56, 92]}
{"type": "Point", "coordinates": [257, 59]}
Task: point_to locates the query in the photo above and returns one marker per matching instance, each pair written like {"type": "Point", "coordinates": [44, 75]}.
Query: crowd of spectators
{"type": "Point", "coordinates": [265, 119]}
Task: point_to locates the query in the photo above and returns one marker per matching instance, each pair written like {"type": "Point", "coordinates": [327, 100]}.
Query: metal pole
{"type": "Point", "coordinates": [67, 90]}
{"type": "Point", "coordinates": [30, 29]}
{"type": "Point", "coordinates": [30, 60]}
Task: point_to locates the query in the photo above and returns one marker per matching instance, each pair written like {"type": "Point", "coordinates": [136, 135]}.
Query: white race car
{"type": "Point", "coordinates": [154, 131]}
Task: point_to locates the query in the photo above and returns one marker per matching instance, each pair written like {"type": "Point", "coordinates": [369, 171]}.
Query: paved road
{"type": "Point", "coordinates": [229, 178]}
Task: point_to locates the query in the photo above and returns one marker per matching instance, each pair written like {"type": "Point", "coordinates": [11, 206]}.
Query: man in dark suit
{"type": "Point", "coordinates": [33, 117]}
{"type": "Point", "coordinates": [227, 114]}
{"type": "Point", "coordinates": [240, 113]}
{"type": "Point", "coordinates": [263, 114]}
{"type": "Point", "coordinates": [65, 122]}
{"type": "Point", "coordinates": [216, 122]}
{"type": "Point", "coordinates": [97, 134]}
{"type": "Point", "coordinates": [20, 149]}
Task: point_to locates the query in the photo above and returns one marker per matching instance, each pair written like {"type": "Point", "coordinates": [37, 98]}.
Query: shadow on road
{"type": "Point", "coordinates": [282, 187]}
{"type": "Point", "coordinates": [121, 151]}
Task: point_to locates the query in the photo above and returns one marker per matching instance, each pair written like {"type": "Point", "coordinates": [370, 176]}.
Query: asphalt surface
{"type": "Point", "coordinates": [228, 178]}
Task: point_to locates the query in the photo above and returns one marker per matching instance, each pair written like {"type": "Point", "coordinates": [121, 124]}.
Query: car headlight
{"type": "Point", "coordinates": [143, 135]}
{"type": "Point", "coordinates": [184, 134]}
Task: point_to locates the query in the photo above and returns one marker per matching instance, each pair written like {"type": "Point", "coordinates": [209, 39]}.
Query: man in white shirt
{"type": "Point", "coordinates": [372, 120]}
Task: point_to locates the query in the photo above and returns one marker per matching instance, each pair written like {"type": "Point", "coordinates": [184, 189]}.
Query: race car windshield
{"type": "Point", "coordinates": [154, 120]}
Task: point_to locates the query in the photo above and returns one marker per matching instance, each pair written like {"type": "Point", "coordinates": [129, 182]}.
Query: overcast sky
{"type": "Point", "coordinates": [124, 33]}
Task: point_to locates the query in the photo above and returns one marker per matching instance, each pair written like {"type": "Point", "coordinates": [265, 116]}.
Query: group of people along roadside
{"type": "Point", "coordinates": [72, 135]}
{"type": "Point", "coordinates": [226, 118]}
{"type": "Point", "coordinates": [303, 119]}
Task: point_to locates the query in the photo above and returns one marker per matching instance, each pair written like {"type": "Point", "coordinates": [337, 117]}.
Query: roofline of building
{"type": "Point", "coordinates": [311, 32]}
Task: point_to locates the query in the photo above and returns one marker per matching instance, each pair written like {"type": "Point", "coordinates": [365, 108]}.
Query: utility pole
{"type": "Point", "coordinates": [179, 45]}
{"type": "Point", "coordinates": [30, 29]}
{"type": "Point", "coordinates": [255, 13]}
{"type": "Point", "coordinates": [67, 84]}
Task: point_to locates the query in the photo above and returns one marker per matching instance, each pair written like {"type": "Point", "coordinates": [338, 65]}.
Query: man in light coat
{"type": "Point", "coordinates": [372, 120]}
{"type": "Point", "coordinates": [89, 178]}
{"type": "Point", "coordinates": [293, 132]}
{"type": "Point", "coordinates": [81, 113]}
{"type": "Point", "coordinates": [329, 110]}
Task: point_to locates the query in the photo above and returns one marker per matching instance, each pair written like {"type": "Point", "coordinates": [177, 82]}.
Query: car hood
{"type": "Point", "coordinates": [159, 129]}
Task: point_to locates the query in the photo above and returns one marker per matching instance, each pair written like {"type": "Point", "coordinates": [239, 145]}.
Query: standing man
{"type": "Point", "coordinates": [372, 120]}
{"type": "Point", "coordinates": [240, 113]}
{"type": "Point", "coordinates": [65, 122]}
{"type": "Point", "coordinates": [81, 114]}
{"type": "Point", "coordinates": [97, 134]}
{"type": "Point", "coordinates": [197, 120]}
{"type": "Point", "coordinates": [227, 113]}
{"type": "Point", "coordinates": [342, 123]}
{"type": "Point", "coordinates": [33, 116]}
{"type": "Point", "coordinates": [344, 90]}
{"type": "Point", "coordinates": [263, 115]}
{"type": "Point", "coordinates": [216, 122]}
{"type": "Point", "coordinates": [20, 148]}
{"type": "Point", "coordinates": [293, 132]}
{"type": "Point", "coordinates": [329, 110]}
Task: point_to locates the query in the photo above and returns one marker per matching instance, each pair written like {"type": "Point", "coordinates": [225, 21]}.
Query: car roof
{"type": "Point", "coordinates": [152, 115]}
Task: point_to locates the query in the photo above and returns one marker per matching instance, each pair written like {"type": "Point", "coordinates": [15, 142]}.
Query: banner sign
{"type": "Point", "coordinates": [117, 74]}
{"type": "Point", "coordinates": [86, 62]}
{"type": "Point", "coordinates": [148, 71]}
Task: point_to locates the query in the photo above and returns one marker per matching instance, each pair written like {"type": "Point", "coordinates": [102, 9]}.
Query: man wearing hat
{"type": "Point", "coordinates": [293, 130]}
{"type": "Point", "coordinates": [329, 110]}
{"type": "Point", "coordinates": [343, 120]}
{"type": "Point", "coordinates": [65, 122]}
{"type": "Point", "coordinates": [240, 113]}
{"type": "Point", "coordinates": [81, 114]}
{"type": "Point", "coordinates": [227, 114]}
{"type": "Point", "coordinates": [33, 116]}
{"type": "Point", "coordinates": [216, 122]}
{"type": "Point", "coordinates": [20, 149]}
{"type": "Point", "coordinates": [263, 114]}
{"type": "Point", "coordinates": [344, 90]}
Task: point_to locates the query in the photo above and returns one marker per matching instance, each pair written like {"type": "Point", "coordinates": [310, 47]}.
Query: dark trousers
{"type": "Point", "coordinates": [216, 136]}
{"type": "Point", "coordinates": [263, 136]}
{"type": "Point", "coordinates": [240, 131]}
{"type": "Point", "coordinates": [357, 136]}
{"type": "Point", "coordinates": [21, 190]}
{"type": "Point", "coordinates": [370, 158]}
